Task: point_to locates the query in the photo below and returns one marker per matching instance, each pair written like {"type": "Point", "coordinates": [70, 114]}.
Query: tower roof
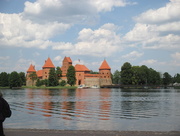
{"type": "Point", "coordinates": [79, 67]}
{"type": "Point", "coordinates": [31, 68]}
{"type": "Point", "coordinates": [48, 64]}
{"type": "Point", "coordinates": [68, 59]}
{"type": "Point", "coordinates": [104, 65]}
{"type": "Point", "coordinates": [39, 73]}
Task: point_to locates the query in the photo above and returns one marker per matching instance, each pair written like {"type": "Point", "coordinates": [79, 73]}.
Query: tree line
{"type": "Point", "coordinates": [13, 79]}
{"type": "Point", "coordinates": [142, 75]}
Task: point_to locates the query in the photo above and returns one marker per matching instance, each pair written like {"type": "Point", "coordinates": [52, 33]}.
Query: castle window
{"type": "Point", "coordinates": [45, 72]}
{"type": "Point", "coordinates": [104, 76]}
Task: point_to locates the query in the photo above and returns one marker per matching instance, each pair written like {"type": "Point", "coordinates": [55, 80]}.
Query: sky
{"type": "Point", "coordinates": [141, 32]}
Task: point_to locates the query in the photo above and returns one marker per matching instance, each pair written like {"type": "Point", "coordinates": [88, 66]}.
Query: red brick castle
{"type": "Point", "coordinates": [83, 76]}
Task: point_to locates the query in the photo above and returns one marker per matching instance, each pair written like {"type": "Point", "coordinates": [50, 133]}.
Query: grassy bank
{"type": "Point", "coordinates": [7, 87]}
{"type": "Point", "coordinates": [50, 87]}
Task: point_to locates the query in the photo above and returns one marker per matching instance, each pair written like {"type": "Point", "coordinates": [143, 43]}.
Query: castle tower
{"type": "Point", "coordinates": [46, 68]}
{"type": "Point", "coordinates": [65, 65]}
{"type": "Point", "coordinates": [30, 70]}
{"type": "Point", "coordinates": [105, 74]}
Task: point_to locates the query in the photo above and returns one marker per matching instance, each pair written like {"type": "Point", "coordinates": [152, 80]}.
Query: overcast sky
{"type": "Point", "coordinates": [142, 32]}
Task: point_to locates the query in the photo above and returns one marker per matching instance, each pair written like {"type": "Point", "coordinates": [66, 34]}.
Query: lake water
{"type": "Point", "coordinates": [94, 109]}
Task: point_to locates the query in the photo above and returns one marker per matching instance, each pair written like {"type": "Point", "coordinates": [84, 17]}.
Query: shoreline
{"type": "Point", "coordinates": [52, 132]}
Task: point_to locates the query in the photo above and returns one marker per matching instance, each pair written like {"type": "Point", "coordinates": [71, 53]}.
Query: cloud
{"type": "Point", "coordinates": [157, 29]}
{"type": "Point", "coordinates": [4, 58]}
{"type": "Point", "coordinates": [68, 11]}
{"type": "Point", "coordinates": [133, 55]}
{"type": "Point", "coordinates": [176, 57]}
{"type": "Point", "coordinates": [169, 13]}
{"type": "Point", "coordinates": [43, 19]}
{"type": "Point", "coordinates": [58, 58]}
{"type": "Point", "coordinates": [148, 62]}
{"type": "Point", "coordinates": [17, 32]}
{"type": "Point", "coordinates": [101, 42]}
{"type": "Point", "coordinates": [62, 46]}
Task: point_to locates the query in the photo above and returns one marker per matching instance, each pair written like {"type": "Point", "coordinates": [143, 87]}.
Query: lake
{"type": "Point", "coordinates": [94, 109]}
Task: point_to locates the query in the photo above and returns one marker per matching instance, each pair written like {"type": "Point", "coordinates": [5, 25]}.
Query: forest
{"type": "Point", "coordinates": [142, 75]}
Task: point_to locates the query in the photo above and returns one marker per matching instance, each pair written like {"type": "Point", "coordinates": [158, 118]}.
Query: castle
{"type": "Point", "coordinates": [83, 75]}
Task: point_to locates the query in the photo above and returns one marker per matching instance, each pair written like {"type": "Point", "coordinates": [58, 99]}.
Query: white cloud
{"type": "Point", "coordinates": [169, 13]}
{"type": "Point", "coordinates": [62, 46]}
{"type": "Point", "coordinates": [100, 42]}
{"type": "Point", "coordinates": [148, 62]}
{"type": "Point", "coordinates": [18, 32]}
{"type": "Point", "coordinates": [58, 58]}
{"type": "Point", "coordinates": [133, 55]}
{"type": "Point", "coordinates": [106, 5]}
{"type": "Point", "coordinates": [68, 11]}
{"type": "Point", "coordinates": [176, 56]}
{"type": "Point", "coordinates": [157, 29]}
{"type": "Point", "coordinates": [4, 58]}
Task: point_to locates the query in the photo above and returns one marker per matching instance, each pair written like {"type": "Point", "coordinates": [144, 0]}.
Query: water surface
{"type": "Point", "coordinates": [94, 109]}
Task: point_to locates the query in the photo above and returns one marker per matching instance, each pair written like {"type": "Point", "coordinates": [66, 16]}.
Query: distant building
{"type": "Point", "coordinates": [83, 76]}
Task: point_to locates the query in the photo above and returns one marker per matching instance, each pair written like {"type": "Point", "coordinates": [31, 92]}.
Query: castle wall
{"type": "Point", "coordinates": [105, 81]}
{"type": "Point", "coordinates": [92, 81]}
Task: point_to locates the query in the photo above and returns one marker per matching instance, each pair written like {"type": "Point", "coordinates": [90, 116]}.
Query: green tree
{"type": "Point", "coordinates": [58, 72]}
{"type": "Point", "coordinates": [23, 78]}
{"type": "Point", "coordinates": [46, 82]}
{"type": "Point", "coordinates": [14, 80]}
{"type": "Point", "coordinates": [116, 77]}
{"type": "Point", "coordinates": [33, 77]}
{"type": "Point", "coordinates": [38, 82]}
{"type": "Point", "coordinates": [4, 79]}
{"type": "Point", "coordinates": [166, 78]}
{"type": "Point", "coordinates": [176, 78]}
{"type": "Point", "coordinates": [71, 76]}
{"type": "Point", "coordinates": [53, 79]}
{"type": "Point", "coordinates": [93, 72]}
{"type": "Point", "coordinates": [62, 83]}
{"type": "Point", "coordinates": [126, 73]}
{"type": "Point", "coordinates": [154, 77]}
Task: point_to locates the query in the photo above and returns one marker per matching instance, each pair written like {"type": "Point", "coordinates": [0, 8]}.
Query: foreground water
{"type": "Point", "coordinates": [94, 109]}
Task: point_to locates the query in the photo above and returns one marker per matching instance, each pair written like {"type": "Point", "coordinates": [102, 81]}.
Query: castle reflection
{"type": "Point", "coordinates": [70, 104]}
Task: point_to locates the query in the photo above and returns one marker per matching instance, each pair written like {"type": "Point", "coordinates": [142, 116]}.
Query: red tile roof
{"type": "Point", "coordinates": [48, 64]}
{"type": "Point", "coordinates": [104, 66]}
{"type": "Point", "coordinates": [69, 59]}
{"type": "Point", "coordinates": [31, 68]}
{"type": "Point", "coordinates": [79, 67]}
{"type": "Point", "coordinates": [39, 73]}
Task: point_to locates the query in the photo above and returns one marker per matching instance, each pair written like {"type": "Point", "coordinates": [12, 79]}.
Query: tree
{"type": "Point", "coordinates": [126, 73]}
{"type": "Point", "coordinates": [53, 79]}
{"type": "Point", "coordinates": [176, 78]}
{"type": "Point", "coordinates": [4, 79]}
{"type": "Point", "coordinates": [166, 78]}
{"type": "Point", "coordinates": [38, 83]}
{"type": "Point", "coordinates": [93, 72]}
{"type": "Point", "coordinates": [23, 78]}
{"type": "Point", "coordinates": [154, 77]}
{"type": "Point", "coordinates": [33, 77]}
{"type": "Point", "coordinates": [116, 77]}
{"type": "Point", "coordinates": [14, 80]}
{"type": "Point", "coordinates": [62, 83]}
{"type": "Point", "coordinates": [71, 76]}
{"type": "Point", "coordinates": [58, 72]}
